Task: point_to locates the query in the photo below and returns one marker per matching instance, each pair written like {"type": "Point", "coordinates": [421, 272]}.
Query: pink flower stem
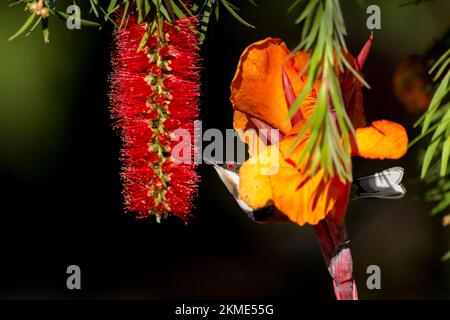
{"type": "Point", "coordinates": [338, 258]}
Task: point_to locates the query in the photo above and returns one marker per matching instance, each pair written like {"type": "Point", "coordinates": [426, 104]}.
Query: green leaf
{"type": "Point", "coordinates": [440, 61]}
{"type": "Point", "coordinates": [308, 11]}
{"type": "Point", "coordinates": [178, 12]}
{"type": "Point", "coordinates": [124, 14]}
{"type": "Point", "coordinates": [445, 156]}
{"type": "Point", "coordinates": [185, 7]}
{"type": "Point", "coordinates": [64, 16]}
{"type": "Point", "coordinates": [94, 5]}
{"type": "Point", "coordinates": [330, 128]}
{"type": "Point", "coordinates": [34, 26]}
{"type": "Point", "coordinates": [441, 206]}
{"type": "Point", "coordinates": [437, 120]}
{"type": "Point", "coordinates": [107, 15]}
{"type": "Point", "coordinates": [147, 7]}
{"type": "Point", "coordinates": [165, 13]}
{"type": "Point", "coordinates": [15, 3]}
{"type": "Point", "coordinates": [293, 5]}
{"type": "Point", "coordinates": [314, 30]}
{"type": "Point", "coordinates": [24, 27]}
{"type": "Point", "coordinates": [429, 155]}
{"type": "Point", "coordinates": [161, 10]}
{"type": "Point", "coordinates": [144, 39]}
{"type": "Point", "coordinates": [442, 69]}
{"type": "Point", "coordinates": [45, 30]}
{"type": "Point", "coordinates": [235, 15]}
{"type": "Point", "coordinates": [140, 8]}
{"type": "Point", "coordinates": [430, 130]}
{"type": "Point", "coordinates": [111, 6]}
{"type": "Point", "coordinates": [439, 95]}
{"type": "Point", "coordinates": [216, 12]}
{"type": "Point", "coordinates": [446, 257]}
{"type": "Point", "coordinates": [233, 6]}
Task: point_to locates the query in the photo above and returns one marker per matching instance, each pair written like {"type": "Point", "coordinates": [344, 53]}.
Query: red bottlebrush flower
{"type": "Point", "coordinates": [154, 92]}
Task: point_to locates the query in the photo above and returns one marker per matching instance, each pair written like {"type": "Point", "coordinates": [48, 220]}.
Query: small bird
{"type": "Point", "coordinates": [382, 185]}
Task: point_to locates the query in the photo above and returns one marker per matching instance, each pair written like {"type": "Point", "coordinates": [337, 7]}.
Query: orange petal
{"type": "Point", "coordinates": [383, 139]}
{"type": "Point", "coordinates": [267, 179]}
{"type": "Point", "coordinates": [245, 128]}
{"type": "Point", "coordinates": [254, 182]}
{"type": "Point", "coordinates": [241, 121]}
{"type": "Point", "coordinates": [255, 133]}
{"type": "Point", "coordinates": [306, 199]}
{"type": "Point", "coordinates": [291, 148]}
{"type": "Point", "coordinates": [257, 88]}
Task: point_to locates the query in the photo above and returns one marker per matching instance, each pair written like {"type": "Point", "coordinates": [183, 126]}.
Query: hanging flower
{"type": "Point", "coordinates": [154, 92]}
{"type": "Point", "coordinates": [267, 80]}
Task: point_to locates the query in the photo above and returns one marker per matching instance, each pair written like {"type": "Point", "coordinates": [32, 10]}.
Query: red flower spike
{"type": "Point", "coordinates": [153, 93]}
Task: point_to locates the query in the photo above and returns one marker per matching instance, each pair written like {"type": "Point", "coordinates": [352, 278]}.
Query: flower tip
{"type": "Point", "coordinates": [362, 56]}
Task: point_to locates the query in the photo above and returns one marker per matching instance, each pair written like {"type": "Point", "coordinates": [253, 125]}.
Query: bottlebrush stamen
{"type": "Point", "coordinates": [154, 92]}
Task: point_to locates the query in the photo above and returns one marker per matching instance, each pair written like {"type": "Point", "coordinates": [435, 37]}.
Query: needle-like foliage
{"type": "Point", "coordinates": [436, 121]}
{"type": "Point", "coordinates": [152, 12]}
{"type": "Point", "coordinates": [323, 32]}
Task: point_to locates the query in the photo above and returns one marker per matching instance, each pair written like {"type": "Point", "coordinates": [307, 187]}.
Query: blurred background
{"type": "Point", "coordinates": [61, 201]}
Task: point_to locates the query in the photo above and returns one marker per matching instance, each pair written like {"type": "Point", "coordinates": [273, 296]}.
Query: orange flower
{"type": "Point", "coordinates": [266, 82]}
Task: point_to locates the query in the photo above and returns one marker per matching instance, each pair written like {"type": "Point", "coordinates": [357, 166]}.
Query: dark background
{"type": "Point", "coordinates": [61, 202]}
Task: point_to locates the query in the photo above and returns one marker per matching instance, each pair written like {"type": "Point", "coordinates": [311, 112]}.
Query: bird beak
{"type": "Point", "coordinates": [338, 258]}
